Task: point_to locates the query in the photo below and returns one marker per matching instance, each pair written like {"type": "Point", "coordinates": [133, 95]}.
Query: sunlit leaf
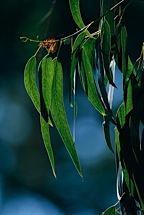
{"type": "Point", "coordinates": [110, 211]}
{"type": "Point", "coordinates": [59, 115]}
{"type": "Point", "coordinates": [47, 65]}
{"type": "Point", "coordinates": [30, 82]}
{"type": "Point", "coordinates": [47, 142]}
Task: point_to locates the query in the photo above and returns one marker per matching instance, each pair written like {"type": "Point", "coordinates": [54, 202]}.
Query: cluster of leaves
{"type": "Point", "coordinates": [92, 54]}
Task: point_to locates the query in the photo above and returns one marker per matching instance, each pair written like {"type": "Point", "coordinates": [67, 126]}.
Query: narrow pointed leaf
{"type": "Point", "coordinates": [109, 14]}
{"type": "Point", "coordinates": [92, 93]}
{"type": "Point", "coordinates": [30, 82]}
{"type": "Point", "coordinates": [47, 65]}
{"type": "Point", "coordinates": [47, 142]}
{"type": "Point", "coordinates": [124, 54]}
{"type": "Point", "coordinates": [59, 115]}
{"type": "Point", "coordinates": [106, 50]}
{"type": "Point", "coordinates": [106, 129]}
{"type": "Point", "coordinates": [75, 10]}
{"type": "Point", "coordinates": [78, 41]}
{"type": "Point", "coordinates": [129, 98]}
{"type": "Point", "coordinates": [121, 115]}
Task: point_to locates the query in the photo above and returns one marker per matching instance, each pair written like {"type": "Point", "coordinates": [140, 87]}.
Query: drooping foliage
{"type": "Point", "coordinates": [92, 53]}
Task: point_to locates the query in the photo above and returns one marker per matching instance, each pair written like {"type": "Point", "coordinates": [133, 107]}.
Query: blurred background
{"type": "Point", "coordinates": [27, 186]}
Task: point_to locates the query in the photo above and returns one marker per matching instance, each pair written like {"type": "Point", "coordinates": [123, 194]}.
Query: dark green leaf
{"type": "Point", "coordinates": [110, 211]}
{"type": "Point", "coordinates": [106, 128]}
{"type": "Point", "coordinates": [106, 50]}
{"type": "Point", "coordinates": [129, 98]}
{"type": "Point", "coordinates": [124, 53]}
{"type": "Point", "coordinates": [30, 82]}
{"type": "Point", "coordinates": [75, 10]}
{"type": "Point", "coordinates": [121, 115]}
{"type": "Point", "coordinates": [59, 115]}
{"type": "Point", "coordinates": [47, 65]}
{"type": "Point", "coordinates": [109, 14]}
{"type": "Point", "coordinates": [47, 142]}
{"type": "Point", "coordinates": [78, 41]}
{"type": "Point", "coordinates": [92, 91]}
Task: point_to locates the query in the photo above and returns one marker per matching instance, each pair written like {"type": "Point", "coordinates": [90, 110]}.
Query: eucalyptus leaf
{"type": "Point", "coordinates": [59, 115]}
{"type": "Point", "coordinates": [47, 65]}
{"type": "Point", "coordinates": [78, 41]}
{"type": "Point", "coordinates": [106, 50]}
{"type": "Point", "coordinates": [30, 82]}
{"type": "Point", "coordinates": [106, 129]}
{"type": "Point", "coordinates": [129, 98]}
{"type": "Point", "coordinates": [47, 142]}
{"type": "Point", "coordinates": [75, 10]}
{"type": "Point", "coordinates": [92, 91]}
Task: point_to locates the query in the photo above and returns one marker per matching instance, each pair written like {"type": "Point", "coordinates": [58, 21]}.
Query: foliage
{"type": "Point", "coordinates": [91, 57]}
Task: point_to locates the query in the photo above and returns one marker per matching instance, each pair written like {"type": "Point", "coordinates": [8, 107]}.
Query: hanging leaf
{"type": "Point", "coordinates": [106, 129]}
{"type": "Point", "coordinates": [75, 10]}
{"type": "Point", "coordinates": [129, 98]}
{"type": "Point", "coordinates": [47, 142]}
{"type": "Point", "coordinates": [59, 115]}
{"type": "Point", "coordinates": [92, 91]}
{"type": "Point", "coordinates": [109, 14]}
{"type": "Point", "coordinates": [124, 53]}
{"type": "Point", "coordinates": [47, 65]}
{"type": "Point", "coordinates": [101, 82]}
{"type": "Point", "coordinates": [78, 41]}
{"type": "Point", "coordinates": [121, 115]}
{"type": "Point", "coordinates": [106, 50]}
{"type": "Point", "coordinates": [30, 82]}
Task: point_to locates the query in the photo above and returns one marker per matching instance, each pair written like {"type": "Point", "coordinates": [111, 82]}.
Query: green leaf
{"type": "Point", "coordinates": [124, 53]}
{"type": "Point", "coordinates": [30, 82]}
{"type": "Point", "coordinates": [59, 115]}
{"type": "Point", "coordinates": [92, 91]}
{"type": "Point", "coordinates": [47, 142]}
{"type": "Point", "coordinates": [110, 211]}
{"type": "Point", "coordinates": [106, 50]}
{"type": "Point", "coordinates": [47, 66]}
{"type": "Point", "coordinates": [129, 98]}
{"type": "Point", "coordinates": [78, 41]}
{"type": "Point", "coordinates": [109, 14]}
{"type": "Point", "coordinates": [75, 10]}
{"type": "Point", "coordinates": [121, 115]}
{"type": "Point", "coordinates": [106, 129]}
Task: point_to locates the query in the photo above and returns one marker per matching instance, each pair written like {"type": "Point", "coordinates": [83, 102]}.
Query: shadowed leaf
{"type": "Point", "coordinates": [30, 82]}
